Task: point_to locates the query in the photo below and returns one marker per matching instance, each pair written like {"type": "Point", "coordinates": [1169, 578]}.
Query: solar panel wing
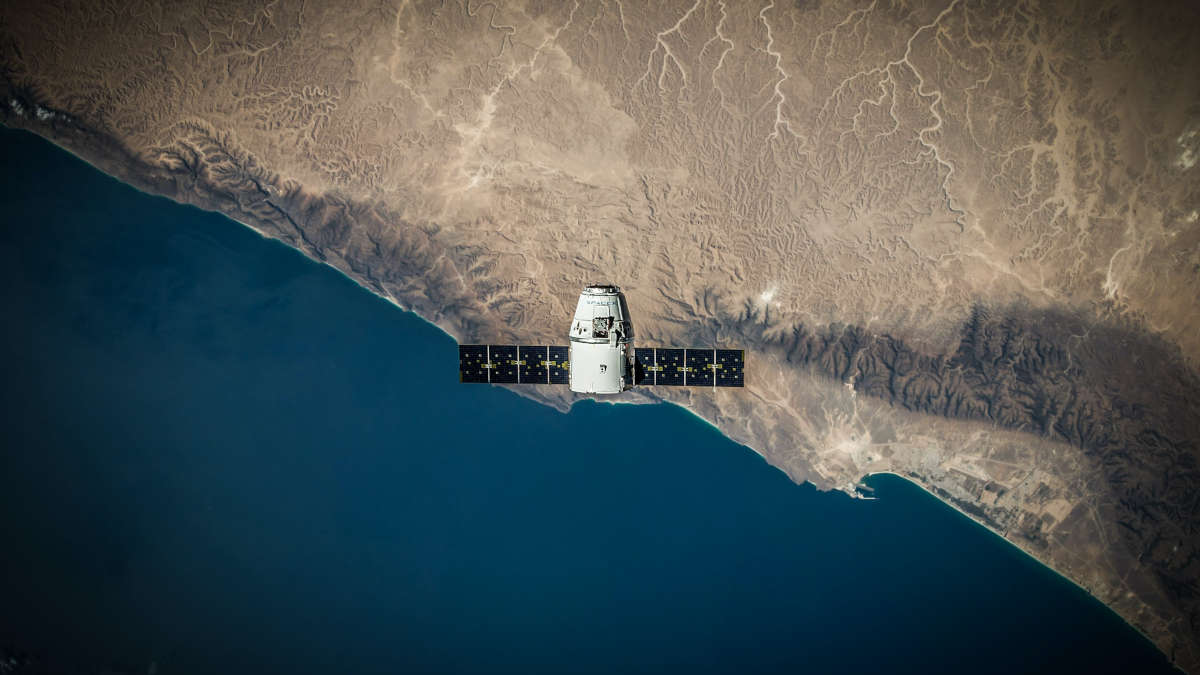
{"type": "Point", "coordinates": [670, 367]}
{"type": "Point", "coordinates": [699, 371]}
{"type": "Point", "coordinates": [643, 366]}
{"type": "Point", "coordinates": [473, 363]}
{"type": "Point", "coordinates": [731, 368]}
{"type": "Point", "coordinates": [504, 363]}
{"type": "Point", "coordinates": [531, 364]}
{"type": "Point", "coordinates": [558, 365]}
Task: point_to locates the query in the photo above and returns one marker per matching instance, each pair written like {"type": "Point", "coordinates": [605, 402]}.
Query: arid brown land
{"type": "Point", "coordinates": [960, 239]}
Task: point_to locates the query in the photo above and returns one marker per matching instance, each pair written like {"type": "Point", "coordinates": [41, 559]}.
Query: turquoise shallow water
{"type": "Point", "coordinates": [219, 456]}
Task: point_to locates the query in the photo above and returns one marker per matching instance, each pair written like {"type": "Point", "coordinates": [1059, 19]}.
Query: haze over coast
{"type": "Point", "coordinates": [958, 240]}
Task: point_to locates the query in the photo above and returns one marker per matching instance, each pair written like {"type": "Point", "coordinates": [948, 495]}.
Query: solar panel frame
{"type": "Point", "coordinates": [731, 368]}
{"type": "Point", "coordinates": [473, 364]}
{"type": "Point", "coordinates": [558, 364]}
{"type": "Point", "coordinates": [644, 366]}
{"type": "Point", "coordinates": [531, 364]}
{"type": "Point", "coordinates": [699, 364]}
{"type": "Point", "coordinates": [670, 365]}
{"type": "Point", "coordinates": [504, 364]}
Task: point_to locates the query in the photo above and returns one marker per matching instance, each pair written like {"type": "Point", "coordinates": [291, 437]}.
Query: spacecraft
{"type": "Point", "coordinates": [601, 357]}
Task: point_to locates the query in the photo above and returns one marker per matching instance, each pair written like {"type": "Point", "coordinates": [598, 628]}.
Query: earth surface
{"type": "Point", "coordinates": [959, 240]}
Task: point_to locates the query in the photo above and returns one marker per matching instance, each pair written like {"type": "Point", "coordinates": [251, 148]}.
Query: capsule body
{"type": "Point", "coordinates": [601, 342]}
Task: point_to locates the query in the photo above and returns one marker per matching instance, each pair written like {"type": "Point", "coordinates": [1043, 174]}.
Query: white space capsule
{"type": "Point", "coordinates": [601, 342]}
{"type": "Point", "coordinates": [601, 358]}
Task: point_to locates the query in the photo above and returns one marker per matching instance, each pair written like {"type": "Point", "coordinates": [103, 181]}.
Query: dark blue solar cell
{"type": "Point", "coordinates": [504, 363]}
{"type": "Point", "coordinates": [472, 363]}
{"type": "Point", "coordinates": [670, 364]}
{"type": "Point", "coordinates": [731, 367]}
{"type": "Point", "coordinates": [559, 366]}
{"type": "Point", "coordinates": [699, 368]}
{"type": "Point", "coordinates": [531, 364]}
{"type": "Point", "coordinates": [643, 366]}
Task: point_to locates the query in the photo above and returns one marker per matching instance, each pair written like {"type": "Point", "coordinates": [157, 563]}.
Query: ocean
{"type": "Point", "coordinates": [221, 457]}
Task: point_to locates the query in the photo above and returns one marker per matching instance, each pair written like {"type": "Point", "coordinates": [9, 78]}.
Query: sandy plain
{"type": "Point", "coordinates": [959, 239]}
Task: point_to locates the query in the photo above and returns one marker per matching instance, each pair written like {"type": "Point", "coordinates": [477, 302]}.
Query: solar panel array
{"type": "Point", "coordinates": [652, 366]}
{"type": "Point", "coordinates": [672, 367]}
{"type": "Point", "coordinates": [513, 364]}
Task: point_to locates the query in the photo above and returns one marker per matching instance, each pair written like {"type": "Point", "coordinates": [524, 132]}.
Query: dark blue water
{"type": "Point", "coordinates": [220, 457]}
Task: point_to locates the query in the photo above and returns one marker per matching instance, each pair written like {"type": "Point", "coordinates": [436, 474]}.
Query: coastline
{"type": "Point", "coordinates": [126, 174]}
{"type": "Point", "coordinates": [1014, 545]}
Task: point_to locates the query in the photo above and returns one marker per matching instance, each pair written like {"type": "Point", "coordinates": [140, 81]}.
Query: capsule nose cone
{"type": "Point", "coordinates": [605, 289]}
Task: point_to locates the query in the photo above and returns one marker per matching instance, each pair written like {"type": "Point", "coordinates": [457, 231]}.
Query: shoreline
{"type": "Point", "coordinates": [125, 180]}
{"type": "Point", "coordinates": [386, 298]}
{"type": "Point", "coordinates": [1026, 554]}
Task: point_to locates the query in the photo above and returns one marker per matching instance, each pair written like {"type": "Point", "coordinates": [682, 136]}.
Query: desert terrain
{"type": "Point", "coordinates": [960, 240]}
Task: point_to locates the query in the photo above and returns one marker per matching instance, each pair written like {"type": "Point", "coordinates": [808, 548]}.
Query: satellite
{"type": "Point", "coordinates": [601, 358]}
